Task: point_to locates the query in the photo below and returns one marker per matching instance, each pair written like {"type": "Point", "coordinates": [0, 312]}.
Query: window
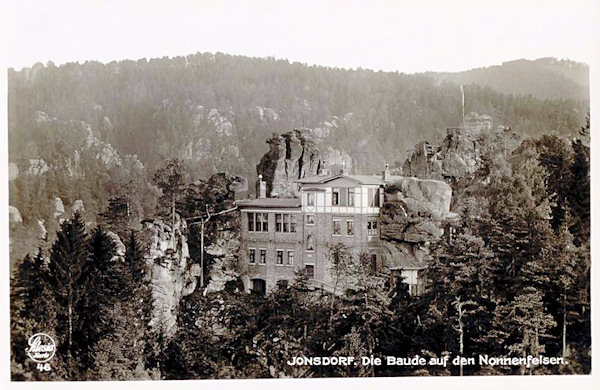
{"type": "Point", "coordinates": [350, 228]}
{"type": "Point", "coordinates": [373, 197]}
{"type": "Point", "coordinates": [250, 222]}
{"type": "Point", "coordinates": [290, 259]}
{"type": "Point", "coordinates": [258, 226]}
{"type": "Point", "coordinates": [310, 219]}
{"type": "Point", "coordinates": [259, 286]}
{"type": "Point", "coordinates": [310, 271]}
{"type": "Point", "coordinates": [335, 197]}
{"type": "Point", "coordinates": [310, 243]}
{"type": "Point", "coordinates": [258, 222]}
{"type": "Point", "coordinates": [351, 196]}
{"type": "Point", "coordinates": [286, 223]}
{"type": "Point", "coordinates": [337, 228]}
{"type": "Point", "coordinates": [279, 257]}
{"type": "Point", "coordinates": [252, 256]}
{"type": "Point", "coordinates": [372, 228]}
{"type": "Point", "coordinates": [263, 256]}
{"type": "Point", "coordinates": [310, 199]}
{"type": "Point", "coordinates": [373, 264]}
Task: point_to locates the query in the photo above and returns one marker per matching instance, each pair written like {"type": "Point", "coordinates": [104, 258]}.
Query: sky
{"type": "Point", "coordinates": [404, 36]}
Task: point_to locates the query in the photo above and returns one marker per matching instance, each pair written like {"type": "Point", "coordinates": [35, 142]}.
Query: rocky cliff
{"type": "Point", "coordinates": [173, 273]}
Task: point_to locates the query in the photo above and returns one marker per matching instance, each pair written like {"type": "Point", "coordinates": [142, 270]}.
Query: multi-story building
{"type": "Point", "coordinates": [283, 235]}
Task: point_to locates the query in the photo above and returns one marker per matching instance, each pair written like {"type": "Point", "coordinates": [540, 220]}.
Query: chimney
{"type": "Point", "coordinates": [385, 174]}
{"type": "Point", "coordinates": [261, 188]}
{"type": "Point", "coordinates": [323, 171]}
{"type": "Point", "coordinates": [344, 168]}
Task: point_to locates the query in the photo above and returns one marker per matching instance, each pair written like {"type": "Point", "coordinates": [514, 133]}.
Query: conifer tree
{"type": "Point", "coordinates": [522, 325]}
{"type": "Point", "coordinates": [32, 310]}
{"type": "Point", "coordinates": [69, 260]}
{"type": "Point", "coordinates": [102, 285]}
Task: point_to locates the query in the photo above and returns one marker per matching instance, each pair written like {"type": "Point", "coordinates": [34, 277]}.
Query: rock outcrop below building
{"type": "Point", "coordinates": [411, 219]}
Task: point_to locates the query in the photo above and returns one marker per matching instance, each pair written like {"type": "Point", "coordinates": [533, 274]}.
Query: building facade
{"type": "Point", "coordinates": [283, 235]}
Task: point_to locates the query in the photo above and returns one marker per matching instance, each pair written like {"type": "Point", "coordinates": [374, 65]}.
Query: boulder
{"type": "Point", "coordinates": [58, 208]}
{"type": "Point", "coordinates": [413, 210]}
{"type": "Point", "coordinates": [42, 231]}
{"type": "Point", "coordinates": [421, 196]}
{"type": "Point", "coordinates": [119, 246]}
{"type": "Point", "coordinates": [77, 206]}
{"type": "Point", "coordinates": [13, 171]}
{"type": "Point", "coordinates": [37, 166]}
{"type": "Point", "coordinates": [14, 216]}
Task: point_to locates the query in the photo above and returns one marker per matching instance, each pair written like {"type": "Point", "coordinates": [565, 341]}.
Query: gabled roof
{"type": "Point", "coordinates": [269, 203]}
{"type": "Point", "coordinates": [360, 179]}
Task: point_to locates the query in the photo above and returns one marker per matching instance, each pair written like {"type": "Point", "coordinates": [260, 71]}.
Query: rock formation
{"type": "Point", "coordinates": [14, 216]}
{"type": "Point", "coordinates": [77, 206]}
{"type": "Point", "coordinates": [58, 208]}
{"type": "Point", "coordinates": [411, 219]}
{"type": "Point", "coordinates": [119, 246]}
{"type": "Point", "coordinates": [173, 274]}
{"type": "Point", "coordinates": [295, 155]}
{"type": "Point", "coordinates": [37, 166]}
{"type": "Point", "coordinates": [458, 155]}
{"type": "Point", "coordinates": [413, 209]}
{"type": "Point", "coordinates": [291, 156]}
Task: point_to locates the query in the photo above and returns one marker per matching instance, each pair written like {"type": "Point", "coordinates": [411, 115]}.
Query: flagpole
{"type": "Point", "coordinates": [462, 91]}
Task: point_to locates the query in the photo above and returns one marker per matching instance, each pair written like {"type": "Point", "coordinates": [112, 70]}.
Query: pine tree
{"type": "Point", "coordinates": [170, 178]}
{"type": "Point", "coordinates": [32, 311]}
{"type": "Point", "coordinates": [69, 260]}
{"type": "Point", "coordinates": [102, 285]}
{"type": "Point", "coordinates": [521, 326]}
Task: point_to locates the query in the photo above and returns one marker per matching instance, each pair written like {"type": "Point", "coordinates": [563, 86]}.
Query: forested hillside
{"type": "Point", "coordinates": [216, 110]}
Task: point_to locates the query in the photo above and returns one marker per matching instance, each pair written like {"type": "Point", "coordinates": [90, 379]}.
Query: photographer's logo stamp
{"type": "Point", "coordinates": [41, 349]}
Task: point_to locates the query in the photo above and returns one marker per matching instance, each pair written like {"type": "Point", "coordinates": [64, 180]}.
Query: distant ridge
{"type": "Point", "coordinates": [544, 78]}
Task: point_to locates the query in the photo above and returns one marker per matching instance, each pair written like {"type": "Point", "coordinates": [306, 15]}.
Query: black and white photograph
{"type": "Point", "coordinates": [299, 193]}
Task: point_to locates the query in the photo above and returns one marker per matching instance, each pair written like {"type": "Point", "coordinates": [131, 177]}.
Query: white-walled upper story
{"type": "Point", "coordinates": [341, 194]}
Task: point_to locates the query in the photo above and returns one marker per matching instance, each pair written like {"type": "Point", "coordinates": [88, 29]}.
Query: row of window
{"type": "Point", "coordinates": [279, 259]}
{"type": "Point", "coordinates": [284, 222]}
{"type": "Point", "coordinates": [337, 228]}
{"type": "Point", "coordinates": [346, 196]}
{"type": "Point", "coordinates": [258, 222]}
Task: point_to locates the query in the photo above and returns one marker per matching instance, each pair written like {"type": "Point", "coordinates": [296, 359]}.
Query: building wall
{"type": "Point", "coordinates": [322, 237]}
{"type": "Point", "coordinates": [271, 241]}
{"type": "Point", "coordinates": [325, 239]}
